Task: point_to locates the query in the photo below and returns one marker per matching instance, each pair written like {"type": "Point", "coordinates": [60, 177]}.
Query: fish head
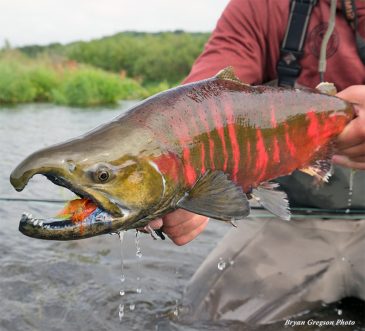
{"type": "Point", "coordinates": [122, 185]}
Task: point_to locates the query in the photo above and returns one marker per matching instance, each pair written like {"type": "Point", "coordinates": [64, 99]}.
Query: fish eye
{"type": "Point", "coordinates": [100, 173]}
{"type": "Point", "coordinates": [103, 175]}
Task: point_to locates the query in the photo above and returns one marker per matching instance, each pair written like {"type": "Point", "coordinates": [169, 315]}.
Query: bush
{"type": "Point", "coordinates": [44, 80]}
{"type": "Point", "coordinates": [152, 57]}
{"type": "Point", "coordinates": [88, 87]}
{"type": "Point", "coordinates": [49, 78]}
{"type": "Point", "coordinates": [15, 84]}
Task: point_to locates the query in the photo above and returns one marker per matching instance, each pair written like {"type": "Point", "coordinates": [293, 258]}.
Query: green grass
{"type": "Point", "coordinates": [15, 84]}
{"type": "Point", "coordinates": [88, 86]}
{"type": "Point", "coordinates": [44, 80]}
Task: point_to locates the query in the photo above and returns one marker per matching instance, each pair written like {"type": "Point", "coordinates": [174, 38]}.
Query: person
{"type": "Point", "coordinates": [278, 268]}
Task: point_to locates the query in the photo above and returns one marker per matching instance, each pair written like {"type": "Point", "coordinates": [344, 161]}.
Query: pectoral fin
{"type": "Point", "coordinates": [273, 200]}
{"type": "Point", "coordinates": [321, 169]}
{"type": "Point", "coordinates": [214, 195]}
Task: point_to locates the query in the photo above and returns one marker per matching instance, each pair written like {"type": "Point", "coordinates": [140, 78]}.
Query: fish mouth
{"type": "Point", "coordinates": [106, 217]}
{"type": "Point", "coordinates": [97, 223]}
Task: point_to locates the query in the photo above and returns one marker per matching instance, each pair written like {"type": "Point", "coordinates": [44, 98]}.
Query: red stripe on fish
{"type": "Point", "coordinates": [189, 171]}
{"type": "Point", "coordinates": [184, 138]}
{"type": "Point", "coordinates": [220, 130]}
{"type": "Point", "coordinates": [262, 157]}
{"type": "Point", "coordinates": [273, 117]}
{"type": "Point", "coordinates": [314, 126]}
{"type": "Point", "coordinates": [168, 164]}
{"type": "Point", "coordinates": [203, 119]}
{"type": "Point", "coordinates": [236, 154]}
{"type": "Point", "coordinates": [199, 162]}
{"type": "Point", "coordinates": [235, 150]}
{"type": "Point", "coordinates": [288, 141]}
{"type": "Point", "coordinates": [276, 150]}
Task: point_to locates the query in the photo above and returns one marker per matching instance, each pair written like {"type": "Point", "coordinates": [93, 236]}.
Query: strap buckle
{"type": "Point", "coordinates": [288, 67]}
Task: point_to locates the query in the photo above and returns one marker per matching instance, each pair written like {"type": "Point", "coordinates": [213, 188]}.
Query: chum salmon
{"type": "Point", "coordinates": [207, 147]}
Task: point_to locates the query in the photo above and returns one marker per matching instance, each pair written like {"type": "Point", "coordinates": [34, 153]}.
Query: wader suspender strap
{"type": "Point", "coordinates": [288, 67]}
{"type": "Point", "coordinates": [349, 11]}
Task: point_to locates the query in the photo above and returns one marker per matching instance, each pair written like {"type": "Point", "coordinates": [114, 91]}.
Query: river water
{"type": "Point", "coordinates": [48, 285]}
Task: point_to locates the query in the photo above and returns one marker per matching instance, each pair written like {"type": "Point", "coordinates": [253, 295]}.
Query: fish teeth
{"type": "Point", "coordinates": [27, 215]}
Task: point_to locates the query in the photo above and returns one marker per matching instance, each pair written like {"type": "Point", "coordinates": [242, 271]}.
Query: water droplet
{"type": "Point", "coordinates": [231, 262]}
{"type": "Point", "coordinates": [221, 264]}
{"type": "Point", "coordinates": [132, 306]}
{"type": "Point", "coordinates": [121, 312]}
{"type": "Point", "coordinates": [351, 190]}
{"type": "Point", "coordinates": [176, 312]}
{"type": "Point", "coordinates": [138, 248]}
{"type": "Point", "coordinates": [122, 276]}
{"type": "Point", "coordinates": [139, 260]}
{"type": "Point", "coordinates": [339, 312]}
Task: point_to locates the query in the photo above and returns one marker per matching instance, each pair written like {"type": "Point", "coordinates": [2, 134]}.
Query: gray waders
{"type": "Point", "coordinates": [270, 269]}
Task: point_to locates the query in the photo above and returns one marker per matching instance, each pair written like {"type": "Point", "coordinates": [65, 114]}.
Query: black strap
{"type": "Point", "coordinates": [349, 11]}
{"type": "Point", "coordinates": [288, 67]}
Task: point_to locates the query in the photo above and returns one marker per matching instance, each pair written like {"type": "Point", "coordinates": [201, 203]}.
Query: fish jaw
{"type": "Point", "coordinates": [111, 215]}
{"type": "Point", "coordinates": [97, 223]}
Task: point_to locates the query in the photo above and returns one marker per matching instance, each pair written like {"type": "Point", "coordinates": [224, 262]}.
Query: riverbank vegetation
{"type": "Point", "coordinates": [128, 65]}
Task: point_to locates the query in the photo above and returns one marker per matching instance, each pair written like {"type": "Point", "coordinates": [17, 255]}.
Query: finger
{"type": "Point", "coordinates": [177, 217]}
{"type": "Point", "coordinates": [358, 159]}
{"type": "Point", "coordinates": [352, 152]}
{"type": "Point", "coordinates": [346, 162]}
{"type": "Point", "coordinates": [182, 240]}
{"type": "Point", "coordinates": [353, 94]}
{"type": "Point", "coordinates": [353, 134]}
{"type": "Point", "coordinates": [156, 223]}
{"type": "Point", "coordinates": [186, 227]}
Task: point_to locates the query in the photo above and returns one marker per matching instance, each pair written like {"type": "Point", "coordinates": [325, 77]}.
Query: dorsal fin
{"type": "Point", "coordinates": [228, 74]}
{"type": "Point", "coordinates": [327, 88]}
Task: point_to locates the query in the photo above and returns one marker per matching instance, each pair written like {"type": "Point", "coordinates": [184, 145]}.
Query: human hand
{"type": "Point", "coordinates": [182, 226]}
{"type": "Point", "coordinates": [351, 142]}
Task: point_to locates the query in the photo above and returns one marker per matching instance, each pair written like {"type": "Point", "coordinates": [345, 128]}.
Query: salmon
{"type": "Point", "coordinates": [207, 147]}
